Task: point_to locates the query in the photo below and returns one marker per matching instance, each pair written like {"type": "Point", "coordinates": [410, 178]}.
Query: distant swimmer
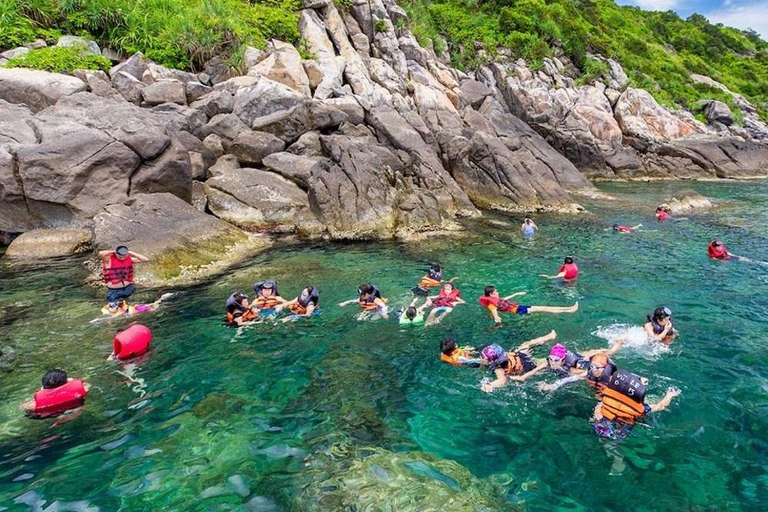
{"type": "Point", "coordinates": [123, 309]}
{"type": "Point", "coordinates": [239, 311]}
{"type": "Point", "coordinates": [454, 355]}
{"type": "Point", "coordinates": [432, 279]}
{"type": "Point", "coordinates": [495, 304]}
{"type": "Point", "coordinates": [443, 303]}
{"type": "Point", "coordinates": [412, 315]}
{"type": "Point", "coordinates": [662, 213]}
{"type": "Point", "coordinates": [369, 299]}
{"type": "Point", "coordinates": [528, 227]}
{"type": "Point", "coordinates": [568, 271]}
{"type": "Point", "coordinates": [624, 229]}
{"type": "Point", "coordinates": [58, 394]}
{"type": "Point", "coordinates": [504, 365]}
{"type": "Point", "coordinates": [267, 296]}
{"type": "Point", "coordinates": [306, 304]}
{"type": "Point", "coordinates": [658, 325]}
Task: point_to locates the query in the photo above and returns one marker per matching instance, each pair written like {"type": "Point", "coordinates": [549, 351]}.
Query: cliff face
{"type": "Point", "coordinates": [372, 137]}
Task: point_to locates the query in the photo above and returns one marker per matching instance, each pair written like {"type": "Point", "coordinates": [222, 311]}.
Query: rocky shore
{"type": "Point", "coordinates": [373, 137]}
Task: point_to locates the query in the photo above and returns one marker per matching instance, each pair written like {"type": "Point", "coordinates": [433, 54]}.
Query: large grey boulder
{"type": "Point", "coordinates": [226, 126]}
{"type": "Point", "coordinates": [128, 86]}
{"type": "Point", "coordinates": [307, 116]}
{"type": "Point", "coordinates": [82, 42]}
{"type": "Point", "coordinates": [251, 147]}
{"type": "Point", "coordinates": [263, 98]}
{"type": "Point", "coordinates": [164, 91]}
{"type": "Point", "coordinates": [718, 112]}
{"type": "Point", "coordinates": [49, 243]}
{"type": "Point", "coordinates": [215, 103]}
{"type": "Point", "coordinates": [296, 168]}
{"type": "Point", "coordinates": [256, 200]}
{"type": "Point", "coordinates": [15, 52]}
{"type": "Point", "coordinates": [135, 66]}
{"type": "Point", "coordinates": [182, 243]}
{"type": "Point", "coordinates": [473, 93]}
{"type": "Point", "coordinates": [36, 89]}
{"type": "Point", "coordinates": [98, 83]}
{"type": "Point", "coordinates": [641, 117]}
{"type": "Point", "coordinates": [170, 172]}
{"type": "Point", "coordinates": [15, 216]}
{"type": "Point", "coordinates": [283, 65]}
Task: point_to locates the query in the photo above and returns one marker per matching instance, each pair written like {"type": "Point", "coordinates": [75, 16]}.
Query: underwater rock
{"type": "Point", "coordinates": [687, 201]}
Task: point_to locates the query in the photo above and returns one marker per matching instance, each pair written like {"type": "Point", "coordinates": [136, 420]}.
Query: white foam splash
{"type": "Point", "coordinates": [637, 341]}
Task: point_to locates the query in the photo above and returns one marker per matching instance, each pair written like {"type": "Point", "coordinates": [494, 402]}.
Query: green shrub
{"type": "Point", "coordinates": [60, 59]}
{"type": "Point", "coordinates": [380, 26]}
{"type": "Point", "coordinates": [592, 70]}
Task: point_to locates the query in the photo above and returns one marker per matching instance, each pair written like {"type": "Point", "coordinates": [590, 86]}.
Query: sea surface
{"type": "Point", "coordinates": [336, 413]}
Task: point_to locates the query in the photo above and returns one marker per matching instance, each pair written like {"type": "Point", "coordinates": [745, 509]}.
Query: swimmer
{"type": "Point", "coordinates": [624, 229]}
{"type": "Point", "coordinates": [659, 325]}
{"type": "Point", "coordinates": [267, 296]}
{"type": "Point", "coordinates": [572, 366]}
{"type": "Point", "coordinates": [58, 394]}
{"type": "Point", "coordinates": [451, 353]}
{"type": "Point", "coordinates": [304, 305]}
{"type": "Point", "coordinates": [493, 303]}
{"type": "Point", "coordinates": [369, 299]}
{"type": "Point", "coordinates": [433, 279]}
{"type": "Point", "coordinates": [528, 227]}
{"type": "Point", "coordinates": [508, 364]}
{"type": "Point", "coordinates": [120, 308]}
{"type": "Point", "coordinates": [567, 271]}
{"type": "Point", "coordinates": [443, 303]}
{"type": "Point", "coordinates": [662, 213]}
{"type": "Point", "coordinates": [239, 311]}
{"type": "Point", "coordinates": [413, 315]}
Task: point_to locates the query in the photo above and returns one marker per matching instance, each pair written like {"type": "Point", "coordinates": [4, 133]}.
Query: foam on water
{"type": "Point", "coordinates": [636, 341]}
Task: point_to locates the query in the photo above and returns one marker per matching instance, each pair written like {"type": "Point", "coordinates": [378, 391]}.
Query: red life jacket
{"type": "Point", "coordinates": [662, 215]}
{"type": "Point", "coordinates": [501, 304]}
{"type": "Point", "coordinates": [131, 342]}
{"type": "Point", "coordinates": [718, 253]}
{"type": "Point", "coordinates": [446, 300]}
{"type": "Point", "coordinates": [50, 402]}
{"type": "Point", "coordinates": [119, 271]}
{"type": "Point", "coordinates": [623, 229]}
{"type": "Point", "coordinates": [570, 269]}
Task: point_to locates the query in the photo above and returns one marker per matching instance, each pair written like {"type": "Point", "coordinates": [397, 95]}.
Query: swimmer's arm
{"type": "Point", "coordinates": [494, 313]}
{"type": "Point", "coordinates": [664, 402]}
{"type": "Point", "coordinates": [138, 258]}
{"type": "Point", "coordinates": [459, 300]}
{"type": "Point", "coordinates": [414, 301]}
{"type": "Point", "coordinates": [104, 255]}
{"type": "Point", "coordinates": [538, 341]}
{"type": "Point", "coordinates": [636, 227]}
{"type": "Point", "coordinates": [27, 406]}
{"type": "Point", "coordinates": [526, 376]}
{"type": "Point", "coordinates": [558, 276]}
{"type": "Point", "coordinates": [616, 346]}
{"type": "Point", "coordinates": [310, 309]}
{"type": "Point", "coordinates": [470, 360]}
{"type": "Point", "coordinates": [347, 302]}
{"type": "Point", "coordinates": [658, 337]}
{"type": "Point", "coordinates": [562, 382]}
{"type": "Point", "coordinates": [516, 294]}
{"type": "Point", "coordinates": [285, 304]}
{"type": "Point", "coordinates": [500, 382]}
{"type": "Point", "coordinates": [382, 307]}
{"type": "Point", "coordinates": [597, 414]}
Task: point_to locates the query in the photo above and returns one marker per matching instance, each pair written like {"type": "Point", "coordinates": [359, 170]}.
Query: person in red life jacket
{"type": "Point", "coordinates": [567, 271]}
{"type": "Point", "coordinates": [370, 300]}
{"type": "Point", "coordinates": [659, 325]}
{"type": "Point", "coordinates": [433, 279]}
{"type": "Point", "coordinates": [662, 213]}
{"type": "Point", "coordinates": [717, 251]}
{"type": "Point", "coordinates": [625, 229]}
{"type": "Point", "coordinates": [506, 365]}
{"type": "Point", "coordinates": [305, 304]}
{"type": "Point", "coordinates": [443, 303]}
{"type": "Point", "coordinates": [58, 394]}
{"type": "Point", "coordinates": [239, 311]}
{"type": "Point", "coordinates": [454, 355]}
{"type": "Point", "coordinates": [495, 304]}
{"type": "Point", "coordinates": [117, 273]}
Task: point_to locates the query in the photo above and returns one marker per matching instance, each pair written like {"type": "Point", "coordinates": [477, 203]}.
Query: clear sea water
{"type": "Point", "coordinates": [333, 413]}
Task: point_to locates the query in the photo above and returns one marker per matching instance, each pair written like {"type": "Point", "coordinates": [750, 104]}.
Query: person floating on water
{"type": "Point", "coordinates": [451, 353]}
{"type": "Point", "coordinates": [443, 303]}
{"type": "Point", "coordinates": [267, 297]}
{"type": "Point", "coordinates": [306, 304]}
{"type": "Point", "coordinates": [432, 279]}
{"type": "Point", "coordinates": [662, 213]}
{"type": "Point", "coordinates": [624, 229]}
{"type": "Point", "coordinates": [658, 325]}
{"type": "Point", "coordinates": [716, 250]}
{"type": "Point", "coordinates": [528, 227]}
{"type": "Point", "coordinates": [239, 311]}
{"type": "Point", "coordinates": [369, 299]}
{"type": "Point", "coordinates": [122, 307]}
{"type": "Point", "coordinates": [509, 364]}
{"type": "Point", "coordinates": [568, 271]}
{"type": "Point", "coordinates": [58, 394]}
{"type": "Point", "coordinates": [413, 315]}
{"type": "Point", "coordinates": [117, 273]}
{"type": "Point", "coordinates": [495, 304]}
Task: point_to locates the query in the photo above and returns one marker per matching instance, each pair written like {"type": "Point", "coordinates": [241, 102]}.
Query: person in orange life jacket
{"type": "Point", "coordinates": [662, 213]}
{"type": "Point", "coordinates": [57, 395]}
{"type": "Point", "coordinates": [624, 229]}
{"type": "Point", "coordinates": [450, 353]}
{"type": "Point", "coordinates": [568, 270]}
{"type": "Point", "coordinates": [369, 299]}
{"type": "Point", "coordinates": [117, 273]}
{"type": "Point", "coordinates": [505, 365]}
{"type": "Point", "coordinates": [303, 305]}
{"type": "Point", "coordinates": [659, 325]}
{"type": "Point", "coordinates": [493, 303]}
{"type": "Point", "coordinates": [623, 403]}
{"type": "Point", "coordinates": [443, 303]}
{"type": "Point", "coordinates": [239, 311]}
{"type": "Point", "coordinates": [570, 366]}
{"type": "Point", "coordinates": [433, 279]}
{"type": "Point", "coordinates": [267, 296]}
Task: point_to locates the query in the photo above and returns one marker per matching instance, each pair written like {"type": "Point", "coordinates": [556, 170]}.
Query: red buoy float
{"type": "Point", "coordinates": [132, 341]}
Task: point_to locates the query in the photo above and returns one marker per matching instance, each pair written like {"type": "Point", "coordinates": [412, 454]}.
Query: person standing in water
{"type": "Point", "coordinates": [528, 227]}
{"type": "Point", "coordinates": [117, 273]}
{"type": "Point", "coordinates": [568, 271]}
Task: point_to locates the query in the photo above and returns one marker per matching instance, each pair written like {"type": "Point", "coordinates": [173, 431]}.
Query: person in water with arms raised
{"type": "Point", "coordinates": [659, 325]}
{"type": "Point", "coordinates": [458, 356]}
{"type": "Point", "coordinates": [433, 279]}
{"type": "Point", "coordinates": [568, 271]}
{"type": "Point", "coordinates": [369, 299]}
{"type": "Point", "coordinates": [305, 304]}
{"type": "Point", "coordinates": [117, 273]}
{"type": "Point", "coordinates": [239, 311]}
{"type": "Point", "coordinates": [58, 394]}
{"type": "Point", "coordinates": [495, 304]}
{"type": "Point", "coordinates": [528, 227]}
{"type": "Point", "coordinates": [509, 364]}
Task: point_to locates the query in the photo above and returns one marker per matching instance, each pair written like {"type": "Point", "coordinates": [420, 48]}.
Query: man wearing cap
{"type": "Point", "coordinates": [117, 273]}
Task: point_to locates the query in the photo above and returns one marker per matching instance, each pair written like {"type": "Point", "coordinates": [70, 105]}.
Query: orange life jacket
{"type": "Point", "coordinates": [247, 316]}
{"type": "Point", "coordinates": [262, 302]}
{"type": "Point", "coordinates": [623, 396]}
{"type": "Point", "coordinates": [428, 282]}
{"type": "Point", "coordinates": [454, 357]}
{"type": "Point", "coordinates": [501, 304]}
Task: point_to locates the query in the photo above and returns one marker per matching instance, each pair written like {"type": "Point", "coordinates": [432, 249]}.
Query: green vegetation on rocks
{"type": "Point", "coordinates": [59, 59]}
{"type": "Point", "coordinates": [658, 50]}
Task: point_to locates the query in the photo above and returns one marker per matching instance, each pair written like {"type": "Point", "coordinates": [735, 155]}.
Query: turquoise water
{"type": "Point", "coordinates": [333, 413]}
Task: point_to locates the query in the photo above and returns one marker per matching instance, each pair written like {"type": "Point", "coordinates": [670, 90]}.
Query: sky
{"type": "Point", "coordinates": [734, 13]}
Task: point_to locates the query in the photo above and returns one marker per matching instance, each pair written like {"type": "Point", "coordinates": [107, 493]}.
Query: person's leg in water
{"type": "Point", "coordinates": [436, 315]}
{"type": "Point", "coordinates": [553, 309]}
{"type": "Point", "coordinates": [538, 341]}
{"type": "Point", "coordinates": [614, 453]}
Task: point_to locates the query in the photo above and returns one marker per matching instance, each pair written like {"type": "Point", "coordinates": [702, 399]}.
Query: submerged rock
{"type": "Point", "coordinates": [50, 243]}
{"type": "Point", "coordinates": [686, 201]}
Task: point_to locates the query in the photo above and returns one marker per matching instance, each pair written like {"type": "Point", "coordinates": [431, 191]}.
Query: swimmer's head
{"type": "Point", "coordinates": [490, 291]}
{"type": "Point", "coordinates": [410, 312]}
{"type": "Point", "coordinates": [557, 355]}
{"type": "Point", "coordinates": [568, 259]}
{"type": "Point", "coordinates": [365, 290]}
{"type": "Point", "coordinates": [435, 268]}
{"type": "Point", "coordinates": [615, 227]}
{"type": "Point", "coordinates": [597, 364]}
{"type": "Point", "coordinates": [661, 313]}
{"type": "Point", "coordinates": [448, 288]}
{"type": "Point", "coordinates": [447, 346]}
{"type": "Point", "coordinates": [54, 379]}
{"type": "Point", "coordinates": [492, 352]}
{"type": "Point", "coordinates": [121, 251]}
